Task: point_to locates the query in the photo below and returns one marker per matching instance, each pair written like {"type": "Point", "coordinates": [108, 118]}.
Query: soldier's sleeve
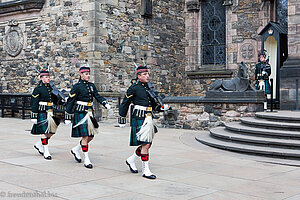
{"type": "Point", "coordinates": [34, 102]}
{"type": "Point", "coordinates": [98, 97]}
{"type": "Point", "coordinates": [128, 98]}
{"type": "Point", "coordinates": [155, 106]}
{"type": "Point", "coordinates": [70, 103]}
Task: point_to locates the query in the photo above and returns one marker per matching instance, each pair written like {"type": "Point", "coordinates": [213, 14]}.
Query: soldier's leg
{"type": "Point", "coordinates": [131, 160]}
{"type": "Point", "coordinates": [75, 151]}
{"type": "Point", "coordinates": [84, 146]}
{"type": "Point", "coordinates": [39, 146]}
{"type": "Point", "coordinates": [145, 162]}
{"type": "Point", "coordinates": [90, 139]}
{"type": "Point", "coordinates": [44, 140]}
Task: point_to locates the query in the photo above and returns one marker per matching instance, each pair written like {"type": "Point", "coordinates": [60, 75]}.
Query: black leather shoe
{"type": "Point", "coordinates": [152, 176]}
{"type": "Point", "coordinates": [48, 158]}
{"type": "Point", "coordinates": [90, 166]}
{"type": "Point", "coordinates": [77, 159]}
{"type": "Point", "coordinates": [38, 150]}
{"type": "Point", "coordinates": [132, 170]}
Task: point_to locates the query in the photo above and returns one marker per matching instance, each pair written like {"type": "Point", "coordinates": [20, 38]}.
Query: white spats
{"type": "Point", "coordinates": [87, 162]}
{"type": "Point", "coordinates": [46, 153]}
{"type": "Point", "coordinates": [75, 152]}
{"type": "Point", "coordinates": [131, 162]}
{"type": "Point", "coordinates": [39, 147]}
{"type": "Point", "coordinates": [146, 170]}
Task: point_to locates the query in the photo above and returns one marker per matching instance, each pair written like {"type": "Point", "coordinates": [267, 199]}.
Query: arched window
{"type": "Point", "coordinates": [213, 32]}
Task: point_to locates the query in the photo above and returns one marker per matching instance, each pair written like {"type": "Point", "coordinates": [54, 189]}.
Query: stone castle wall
{"type": "Point", "coordinates": [109, 34]}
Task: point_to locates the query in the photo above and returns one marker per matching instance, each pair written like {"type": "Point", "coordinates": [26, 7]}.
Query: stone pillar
{"type": "Point", "coordinates": [290, 70]}
{"type": "Point", "coordinates": [193, 35]}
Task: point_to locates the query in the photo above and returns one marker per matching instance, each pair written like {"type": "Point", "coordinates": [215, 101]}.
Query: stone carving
{"type": "Point", "coordinates": [20, 6]}
{"type": "Point", "coordinates": [193, 6]}
{"type": "Point", "coordinates": [227, 3]}
{"type": "Point", "coordinates": [13, 39]}
{"type": "Point", "coordinates": [240, 83]}
{"type": "Point", "coordinates": [247, 51]}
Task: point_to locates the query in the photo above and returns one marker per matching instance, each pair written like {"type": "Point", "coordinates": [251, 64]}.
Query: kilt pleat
{"type": "Point", "coordinates": [42, 124]}
{"type": "Point", "coordinates": [136, 125]}
{"type": "Point", "coordinates": [81, 130]}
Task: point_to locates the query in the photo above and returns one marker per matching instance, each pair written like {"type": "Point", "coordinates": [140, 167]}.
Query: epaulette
{"type": "Point", "coordinates": [134, 85]}
{"type": "Point", "coordinates": [39, 85]}
{"type": "Point", "coordinates": [76, 84]}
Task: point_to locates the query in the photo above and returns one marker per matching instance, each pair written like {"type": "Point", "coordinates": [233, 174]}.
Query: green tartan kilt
{"type": "Point", "coordinates": [81, 130]}
{"type": "Point", "coordinates": [136, 125]}
{"type": "Point", "coordinates": [42, 124]}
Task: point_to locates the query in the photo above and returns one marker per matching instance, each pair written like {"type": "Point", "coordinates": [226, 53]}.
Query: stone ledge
{"type": "Point", "coordinates": [111, 94]}
{"type": "Point", "coordinates": [20, 5]}
{"type": "Point", "coordinates": [216, 97]}
{"type": "Point", "coordinates": [210, 74]}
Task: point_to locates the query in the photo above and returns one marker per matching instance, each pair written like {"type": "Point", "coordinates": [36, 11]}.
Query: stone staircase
{"type": "Point", "coordinates": [275, 134]}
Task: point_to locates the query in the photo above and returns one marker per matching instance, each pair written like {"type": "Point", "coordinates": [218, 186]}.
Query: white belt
{"type": "Point", "coordinates": [84, 103]}
{"type": "Point", "coordinates": [46, 103]}
{"type": "Point", "coordinates": [137, 107]}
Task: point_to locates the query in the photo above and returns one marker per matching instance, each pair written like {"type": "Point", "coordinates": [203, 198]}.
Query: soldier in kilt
{"type": "Point", "coordinates": [44, 122]}
{"type": "Point", "coordinates": [142, 125]}
{"type": "Point", "coordinates": [80, 110]}
{"type": "Point", "coordinates": [262, 73]}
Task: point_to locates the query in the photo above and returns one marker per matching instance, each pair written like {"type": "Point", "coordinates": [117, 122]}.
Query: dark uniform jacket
{"type": "Point", "coordinates": [42, 93]}
{"type": "Point", "coordinates": [137, 94]}
{"type": "Point", "coordinates": [83, 91]}
{"type": "Point", "coordinates": [260, 67]}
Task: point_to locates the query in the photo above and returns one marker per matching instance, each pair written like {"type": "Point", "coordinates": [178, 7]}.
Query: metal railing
{"type": "Point", "coordinates": [12, 103]}
{"type": "Point", "coordinates": [15, 103]}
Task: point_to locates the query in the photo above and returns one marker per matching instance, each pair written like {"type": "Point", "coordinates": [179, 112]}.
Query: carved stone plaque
{"type": "Point", "coordinates": [247, 51]}
{"type": "Point", "coordinates": [13, 39]}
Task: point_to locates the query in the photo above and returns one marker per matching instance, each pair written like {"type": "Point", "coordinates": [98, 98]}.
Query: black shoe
{"type": "Point", "coordinates": [48, 158]}
{"type": "Point", "coordinates": [77, 159]}
{"type": "Point", "coordinates": [38, 150]}
{"type": "Point", "coordinates": [132, 170]}
{"type": "Point", "coordinates": [152, 176]}
{"type": "Point", "coordinates": [90, 166]}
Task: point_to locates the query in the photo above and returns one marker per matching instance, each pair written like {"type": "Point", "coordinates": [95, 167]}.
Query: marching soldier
{"type": "Point", "coordinates": [142, 126]}
{"type": "Point", "coordinates": [44, 122]}
{"type": "Point", "coordinates": [84, 124]}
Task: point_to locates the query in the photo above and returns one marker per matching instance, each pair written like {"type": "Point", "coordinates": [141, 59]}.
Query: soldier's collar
{"type": "Point", "coordinates": [140, 83]}
{"type": "Point", "coordinates": [143, 84]}
{"type": "Point", "coordinates": [45, 84]}
{"type": "Point", "coordinates": [82, 81]}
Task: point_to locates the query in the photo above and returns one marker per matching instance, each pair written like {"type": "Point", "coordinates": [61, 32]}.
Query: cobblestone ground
{"type": "Point", "coordinates": [185, 169]}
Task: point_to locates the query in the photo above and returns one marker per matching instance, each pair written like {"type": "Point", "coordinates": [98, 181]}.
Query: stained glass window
{"type": "Point", "coordinates": [213, 32]}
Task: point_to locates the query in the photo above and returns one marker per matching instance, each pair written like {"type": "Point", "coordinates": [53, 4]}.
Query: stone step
{"type": "Point", "coordinates": [246, 148]}
{"type": "Point", "coordinates": [270, 124]}
{"type": "Point", "coordinates": [225, 134]}
{"type": "Point", "coordinates": [283, 116]}
{"type": "Point", "coordinates": [261, 131]}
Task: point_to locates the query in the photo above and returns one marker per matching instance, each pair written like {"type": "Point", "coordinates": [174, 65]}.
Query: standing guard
{"type": "Point", "coordinates": [84, 124]}
{"type": "Point", "coordinates": [142, 125]}
{"type": "Point", "coordinates": [42, 116]}
{"type": "Point", "coordinates": [262, 73]}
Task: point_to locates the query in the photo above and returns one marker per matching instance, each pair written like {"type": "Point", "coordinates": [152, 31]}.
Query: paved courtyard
{"type": "Point", "coordinates": [185, 169]}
